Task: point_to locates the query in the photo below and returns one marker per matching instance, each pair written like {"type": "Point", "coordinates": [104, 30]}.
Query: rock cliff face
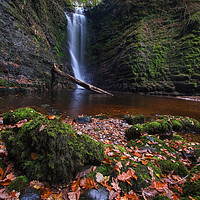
{"type": "Point", "coordinates": [146, 46]}
{"type": "Point", "coordinates": [32, 34]}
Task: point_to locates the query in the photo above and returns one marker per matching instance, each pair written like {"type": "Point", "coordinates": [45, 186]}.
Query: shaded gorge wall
{"type": "Point", "coordinates": [33, 36]}
{"type": "Point", "coordinates": [146, 46]}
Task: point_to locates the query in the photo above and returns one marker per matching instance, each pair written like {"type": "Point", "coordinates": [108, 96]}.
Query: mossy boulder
{"type": "Point", "coordinates": [101, 116]}
{"type": "Point", "coordinates": [164, 126]}
{"type": "Point", "coordinates": [50, 150]}
{"type": "Point", "coordinates": [130, 119]}
{"type": "Point", "coordinates": [192, 186]}
{"type": "Point", "coordinates": [18, 184]}
{"type": "Point", "coordinates": [168, 166]}
{"type": "Point", "coordinates": [17, 115]}
{"type": "Point", "coordinates": [177, 137]}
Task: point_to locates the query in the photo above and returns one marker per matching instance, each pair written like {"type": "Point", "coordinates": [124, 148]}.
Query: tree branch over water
{"type": "Point", "coordinates": [81, 83]}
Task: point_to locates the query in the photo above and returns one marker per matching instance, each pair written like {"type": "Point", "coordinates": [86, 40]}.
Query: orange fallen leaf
{"type": "Point", "coordinates": [107, 160]}
{"type": "Point", "coordinates": [51, 116]}
{"type": "Point", "coordinates": [137, 154]}
{"type": "Point", "coordinates": [159, 186]}
{"type": "Point", "coordinates": [47, 194]}
{"type": "Point", "coordinates": [144, 162]}
{"type": "Point", "coordinates": [87, 183]}
{"type": "Point", "coordinates": [117, 167]}
{"type": "Point", "coordinates": [8, 169]}
{"type": "Point", "coordinates": [5, 182]}
{"type": "Point", "coordinates": [195, 177]}
{"type": "Point", "coordinates": [124, 157]}
{"type": "Point", "coordinates": [1, 172]}
{"type": "Point", "coordinates": [75, 185]}
{"type": "Point", "coordinates": [127, 176]}
{"type": "Point", "coordinates": [34, 156]}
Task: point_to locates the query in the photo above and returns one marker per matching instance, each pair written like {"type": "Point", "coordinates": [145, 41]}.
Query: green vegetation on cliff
{"type": "Point", "coordinates": [33, 36]}
{"type": "Point", "coordinates": [146, 46]}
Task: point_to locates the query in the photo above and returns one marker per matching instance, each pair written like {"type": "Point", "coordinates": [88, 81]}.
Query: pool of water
{"type": "Point", "coordinates": [80, 101]}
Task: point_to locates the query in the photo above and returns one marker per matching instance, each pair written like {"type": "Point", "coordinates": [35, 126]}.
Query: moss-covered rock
{"type": "Point", "coordinates": [192, 186]}
{"type": "Point", "coordinates": [177, 137]}
{"type": "Point", "coordinates": [18, 184]}
{"type": "Point", "coordinates": [130, 119]}
{"type": "Point", "coordinates": [17, 115]}
{"type": "Point", "coordinates": [50, 150]}
{"type": "Point", "coordinates": [168, 166]}
{"type": "Point", "coordinates": [164, 127]}
{"type": "Point", "coordinates": [101, 116]}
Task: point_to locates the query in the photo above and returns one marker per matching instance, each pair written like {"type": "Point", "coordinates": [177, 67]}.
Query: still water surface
{"type": "Point", "coordinates": [81, 101]}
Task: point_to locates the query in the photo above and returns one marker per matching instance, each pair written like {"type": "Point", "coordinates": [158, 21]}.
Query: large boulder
{"type": "Point", "coordinates": [17, 115]}
{"type": "Point", "coordinates": [50, 150]}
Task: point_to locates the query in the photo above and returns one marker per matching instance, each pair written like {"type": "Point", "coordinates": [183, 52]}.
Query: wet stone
{"type": "Point", "coordinates": [93, 194]}
{"type": "Point", "coordinates": [30, 193]}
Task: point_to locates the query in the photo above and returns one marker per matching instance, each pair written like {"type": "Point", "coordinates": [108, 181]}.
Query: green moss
{"type": "Point", "coordinates": [50, 150]}
{"type": "Point", "coordinates": [18, 184]}
{"type": "Point", "coordinates": [160, 197]}
{"type": "Point", "coordinates": [13, 117]}
{"type": "Point", "coordinates": [101, 116]}
{"type": "Point", "coordinates": [177, 137]}
{"type": "Point", "coordinates": [192, 188]}
{"type": "Point", "coordinates": [130, 119]}
{"type": "Point", "coordinates": [168, 166]}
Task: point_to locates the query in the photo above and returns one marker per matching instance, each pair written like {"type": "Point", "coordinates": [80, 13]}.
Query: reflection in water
{"type": "Point", "coordinates": [81, 101]}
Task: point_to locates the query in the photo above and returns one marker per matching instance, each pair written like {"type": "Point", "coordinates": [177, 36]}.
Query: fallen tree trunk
{"type": "Point", "coordinates": [81, 83]}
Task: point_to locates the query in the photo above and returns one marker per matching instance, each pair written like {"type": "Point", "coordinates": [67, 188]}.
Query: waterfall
{"type": "Point", "coordinates": [76, 40]}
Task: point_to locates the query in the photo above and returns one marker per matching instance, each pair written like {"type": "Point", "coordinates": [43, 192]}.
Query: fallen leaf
{"type": "Point", "coordinates": [118, 166]}
{"type": "Point", "coordinates": [127, 176]}
{"type": "Point", "coordinates": [102, 179]}
{"type": "Point", "coordinates": [3, 194]}
{"type": "Point", "coordinates": [99, 177]}
{"type": "Point", "coordinates": [195, 177]}
{"type": "Point", "coordinates": [124, 157]}
{"type": "Point", "coordinates": [87, 183]}
{"type": "Point", "coordinates": [34, 156]}
{"type": "Point", "coordinates": [159, 186]}
{"type": "Point", "coordinates": [113, 194]}
{"type": "Point", "coordinates": [8, 169]}
{"type": "Point", "coordinates": [42, 127]}
{"type": "Point", "coordinates": [115, 184]}
{"type": "Point", "coordinates": [74, 195]}
{"type": "Point", "coordinates": [75, 185]}
{"type": "Point", "coordinates": [51, 116]}
{"type": "Point", "coordinates": [36, 184]}
{"type": "Point", "coordinates": [58, 196]}
{"type": "Point", "coordinates": [20, 123]}
{"type": "Point", "coordinates": [144, 162]}
{"type": "Point", "coordinates": [86, 172]}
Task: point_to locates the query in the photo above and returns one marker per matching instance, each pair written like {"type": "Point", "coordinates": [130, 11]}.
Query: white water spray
{"type": "Point", "coordinates": [76, 40]}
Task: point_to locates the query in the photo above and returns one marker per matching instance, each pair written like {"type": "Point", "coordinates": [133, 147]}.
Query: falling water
{"type": "Point", "coordinates": [76, 40]}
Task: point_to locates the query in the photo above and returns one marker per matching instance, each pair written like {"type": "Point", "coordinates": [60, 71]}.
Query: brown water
{"type": "Point", "coordinates": [84, 102]}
